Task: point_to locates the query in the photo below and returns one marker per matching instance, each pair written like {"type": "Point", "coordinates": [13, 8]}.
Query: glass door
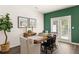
{"type": "Point", "coordinates": [55, 26]}
{"type": "Point", "coordinates": [62, 26]}
{"type": "Point", "coordinates": [65, 28]}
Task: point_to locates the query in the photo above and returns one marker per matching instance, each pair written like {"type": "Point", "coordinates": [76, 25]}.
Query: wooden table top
{"type": "Point", "coordinates": [38, 39]}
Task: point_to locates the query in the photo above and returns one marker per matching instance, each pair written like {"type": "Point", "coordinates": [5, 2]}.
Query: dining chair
{"type": "Point", "coordinates": [47, 45]}
{"type": "Point", "coordinates": [54, 41]}
{"type": "Point", "coordinates": [33, 48]}
{"type": "Point", "coordinates": [23, 45]}
{"type": "Point", "coordinates": [50, 44]}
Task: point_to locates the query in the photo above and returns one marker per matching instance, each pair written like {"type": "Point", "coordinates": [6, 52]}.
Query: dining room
{"type": "Point", "coordinates": [39, 29]}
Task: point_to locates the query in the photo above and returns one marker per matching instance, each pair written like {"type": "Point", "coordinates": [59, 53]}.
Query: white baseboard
{"type": "Point", "coordinates": [74, 43]}
{"type": "Point", "coordinates": [69, 42]}
{"type": "Point", "coordinates": [14, 45]}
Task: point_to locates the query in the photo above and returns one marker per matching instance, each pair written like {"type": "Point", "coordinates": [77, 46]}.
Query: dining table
{"type": "Point", "coordinates": [32, 44]}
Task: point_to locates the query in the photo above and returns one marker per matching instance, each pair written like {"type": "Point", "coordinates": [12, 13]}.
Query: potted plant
{"type": "Point", "coordinates": [5, 26]}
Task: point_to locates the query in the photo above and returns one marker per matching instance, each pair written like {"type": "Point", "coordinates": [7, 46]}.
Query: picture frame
{"type": "Point", "coordinates": [32, 22]}
{"type": "Point", "coordinates": [22, 22]}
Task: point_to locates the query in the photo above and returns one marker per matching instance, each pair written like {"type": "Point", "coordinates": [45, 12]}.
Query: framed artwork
{"type": "Point", "coordinates": [22, 22]}
{"type": "Point", "coordinates": [32, 22]}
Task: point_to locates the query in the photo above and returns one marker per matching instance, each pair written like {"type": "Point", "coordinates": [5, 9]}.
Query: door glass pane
{"type": "Point", "coordinates": [64, 28]}
{"type": "Point", "coordinates": [54, 26]}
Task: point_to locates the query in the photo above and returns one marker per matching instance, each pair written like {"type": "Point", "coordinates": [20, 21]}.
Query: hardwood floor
{"type": "Point", "coordinates": [15, 50]}
{"type": "Point", "coordinates": [65, 48]}
{"type": "Point", "coordinates": [62, 48]}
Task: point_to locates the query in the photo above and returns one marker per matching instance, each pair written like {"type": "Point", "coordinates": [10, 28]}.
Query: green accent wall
{"type": "Point", "coordinates": [74, 12]}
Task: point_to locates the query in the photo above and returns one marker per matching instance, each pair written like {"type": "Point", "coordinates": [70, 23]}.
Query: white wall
{"type": "Point", "coordinates": [15, 11]}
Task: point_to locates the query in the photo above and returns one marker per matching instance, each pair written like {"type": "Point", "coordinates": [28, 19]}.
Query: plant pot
{"type": "Point", "coordinates": [5, 47]}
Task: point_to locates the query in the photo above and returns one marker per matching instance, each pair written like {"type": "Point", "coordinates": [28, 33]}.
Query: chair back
{"type": "Point", "coordinates": [54, 38]}
{"type": "Point", "coordinates": [49, 41]}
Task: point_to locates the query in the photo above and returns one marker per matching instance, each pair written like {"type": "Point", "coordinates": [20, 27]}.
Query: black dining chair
{"type": "Point", "coordinates": [54, 41]}
{"type": "Point", "coordinates": [48, 45]}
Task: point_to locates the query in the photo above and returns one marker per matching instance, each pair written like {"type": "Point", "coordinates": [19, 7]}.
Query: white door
{"type": "Point", "coordinates": [62, 25]}
{"type": "Point", "coordinates": [55, 26]}
{"type": "Point", "coordinates": [65, 28]}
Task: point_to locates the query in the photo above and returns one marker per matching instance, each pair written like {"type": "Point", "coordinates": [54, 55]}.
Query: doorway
{"type": "Point", "coordinates": [62, 26]}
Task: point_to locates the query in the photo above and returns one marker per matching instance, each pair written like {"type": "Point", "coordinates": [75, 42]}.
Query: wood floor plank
{"type": "Point", "coordinates": [62, 48]}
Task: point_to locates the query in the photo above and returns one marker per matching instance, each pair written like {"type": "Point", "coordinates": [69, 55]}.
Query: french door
{"type": "Point", "coordinates": [62, 26]}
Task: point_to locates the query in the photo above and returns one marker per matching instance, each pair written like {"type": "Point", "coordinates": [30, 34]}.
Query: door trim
{"type": "Point", "coordinates": [58, 19]}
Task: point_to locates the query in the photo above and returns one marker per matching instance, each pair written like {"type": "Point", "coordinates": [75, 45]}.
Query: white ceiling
{"type": "Point", "coordinates": [50, 8]}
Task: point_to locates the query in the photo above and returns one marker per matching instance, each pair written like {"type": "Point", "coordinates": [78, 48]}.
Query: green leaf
{"type": "Point", "coordinates": [5, 23]}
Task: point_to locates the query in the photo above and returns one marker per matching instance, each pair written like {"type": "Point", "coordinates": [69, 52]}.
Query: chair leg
{"type": "Point", "coordinates": [42, 48]}
{"type": "Point", "coordinates": [55, 45]}
{"type": "Point", "coordinates": [51, 49]}
{"type": "Point", "coordinates": [45, 49]}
